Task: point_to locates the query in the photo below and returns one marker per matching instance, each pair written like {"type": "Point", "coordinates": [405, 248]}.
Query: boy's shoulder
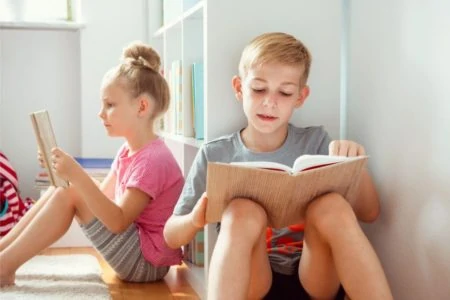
{"type": "Point", "coordinates": [309, 131]}
{"type": "Point", "coordinates": [222, 148]}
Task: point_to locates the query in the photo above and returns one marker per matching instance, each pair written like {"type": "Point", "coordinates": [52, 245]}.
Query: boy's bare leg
{"type": "Point", "coordinates": [49, 224]}
{"type": "Point", "coordinates": [26, 219]}
{"type": "Point", "coordinates": [240, 266]}
{"type": "Point", "coordinates": [336, 251]}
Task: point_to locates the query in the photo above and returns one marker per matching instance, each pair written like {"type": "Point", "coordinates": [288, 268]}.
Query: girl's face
{"type": "Point", "coordinates": [119, 111]}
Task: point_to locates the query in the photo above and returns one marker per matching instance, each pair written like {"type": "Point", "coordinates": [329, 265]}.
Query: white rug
{"type": "Point", "coordinates": [58, 277]}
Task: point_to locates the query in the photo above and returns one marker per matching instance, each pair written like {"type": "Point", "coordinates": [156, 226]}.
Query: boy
{"type": "Point", "coordinates": [251, 261]}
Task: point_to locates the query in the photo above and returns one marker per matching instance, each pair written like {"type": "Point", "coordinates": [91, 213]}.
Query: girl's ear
{"type": "Point", "coordinates": [304, 93]}
{"type": "Point", "coordinates": [236, 82]}
{"type": "Point", "coordinates": [144, 105]}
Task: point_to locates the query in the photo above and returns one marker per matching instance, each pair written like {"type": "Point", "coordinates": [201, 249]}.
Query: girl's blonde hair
{"type": "Point", "coordinates": [140, 67]}
{"type": "Point", "coordinates": [275, 47]}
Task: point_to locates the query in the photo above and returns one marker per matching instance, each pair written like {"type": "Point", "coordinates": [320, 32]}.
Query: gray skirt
{"type": "Point", "coordinates": [123, 253]}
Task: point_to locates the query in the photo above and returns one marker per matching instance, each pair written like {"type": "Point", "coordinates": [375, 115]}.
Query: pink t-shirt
{"type": "Point", "coordinates": [154, 171]}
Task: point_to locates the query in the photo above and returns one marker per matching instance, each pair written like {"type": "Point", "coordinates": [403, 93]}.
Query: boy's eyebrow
{"type": "Point", "coordinates": [283, 83]}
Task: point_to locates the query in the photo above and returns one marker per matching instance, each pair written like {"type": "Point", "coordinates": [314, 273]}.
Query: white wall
{"type": "Point", "coordinates": [39, 70]}
{"type": "Point", "coordinates": [110, 26]}
{"type": "Point", "coordinates": [399, 109]}
{"type": "Point", "coordinates": [316, 23]}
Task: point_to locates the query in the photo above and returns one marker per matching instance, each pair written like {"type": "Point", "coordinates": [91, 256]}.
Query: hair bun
{"type": "Point", "coordinates": [142, 56]}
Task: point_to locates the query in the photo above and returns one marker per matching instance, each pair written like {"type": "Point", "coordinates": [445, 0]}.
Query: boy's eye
{"type": "Point", "coordinates": [258, 90]}
{"type": "Point", "coordinates": [285, 94]}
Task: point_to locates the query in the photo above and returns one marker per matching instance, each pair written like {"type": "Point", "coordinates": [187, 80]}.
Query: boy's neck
{"type": "Point", "coordinates": [263, 142]}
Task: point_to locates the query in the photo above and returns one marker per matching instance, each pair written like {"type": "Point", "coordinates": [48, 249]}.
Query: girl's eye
{"type": "Point", "coordinates": [109, 105]}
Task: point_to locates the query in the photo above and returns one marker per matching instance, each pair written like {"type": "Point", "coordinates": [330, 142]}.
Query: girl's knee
{"type": "Point", "coordinates": [243, 215]}
{"type": "Point", "coordinates": [330, 211]}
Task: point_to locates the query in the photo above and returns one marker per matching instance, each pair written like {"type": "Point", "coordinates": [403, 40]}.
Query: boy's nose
{"type": "Point", "coordinates": [270, 101]}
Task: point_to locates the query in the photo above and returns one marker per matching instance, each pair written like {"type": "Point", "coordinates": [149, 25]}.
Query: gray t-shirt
{"type": "Point", "coordinates": [284, 245]}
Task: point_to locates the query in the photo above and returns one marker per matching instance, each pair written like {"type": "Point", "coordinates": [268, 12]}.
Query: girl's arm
{"type": "Point", "coordinates": [117, 217]}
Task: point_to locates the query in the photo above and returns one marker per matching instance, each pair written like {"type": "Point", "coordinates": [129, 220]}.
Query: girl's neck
{"type": "Point", "coordinates": [262, 142]}
{"type": "Point", "coordinates": [141, 138]}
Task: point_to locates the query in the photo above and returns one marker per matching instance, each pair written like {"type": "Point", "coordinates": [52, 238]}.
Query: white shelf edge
{"type": "Point", "coordinates": [184, 140]}
{"type": "Point", "coordinates": [195, 275]}
{"type": "Point", "coordinates": [52, 25]}
{"type": "Point", "coordinates": [197, 7]}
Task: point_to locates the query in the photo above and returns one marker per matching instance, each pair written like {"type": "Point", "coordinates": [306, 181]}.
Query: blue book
{"type": "Point", "coordinates": [94, 163]}
{"type": "Point", "coordinates": [198, 99]}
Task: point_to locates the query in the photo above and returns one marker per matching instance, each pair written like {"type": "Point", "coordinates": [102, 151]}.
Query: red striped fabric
{"type": "Point", "coordinates": [12, 207]}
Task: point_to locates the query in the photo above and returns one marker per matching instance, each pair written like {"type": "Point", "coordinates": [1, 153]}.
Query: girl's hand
{"type": "Point", "coordinates": [65, 165]}
{"type": "Point", "coordinates": [199, 212]}
{"type": "Point", "coordinates": [345, 148]}
{"type": "Point", "coordinates": [40, 158]}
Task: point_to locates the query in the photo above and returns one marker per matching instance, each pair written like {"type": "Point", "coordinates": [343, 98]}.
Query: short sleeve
{"type": "Point", "coordinates": [194, 186]}
{"type": "Point", "coordinates": [149, 176]}
{"type": "Point", "coordinates": [323, 147]}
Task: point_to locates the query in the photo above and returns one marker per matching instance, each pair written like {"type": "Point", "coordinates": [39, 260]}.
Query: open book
{"type": "Point", "coordinates": [46, 140]}
{"type": "Point", "coordinates": [282, 191]}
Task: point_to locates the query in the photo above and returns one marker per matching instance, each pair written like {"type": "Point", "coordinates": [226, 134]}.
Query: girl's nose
{"type": "Point", "coordinates": [101, 114]}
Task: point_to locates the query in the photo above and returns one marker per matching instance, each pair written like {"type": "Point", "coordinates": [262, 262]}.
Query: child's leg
{"type": "Point", "coordinates": [25, 220]}
{"type": "Point", "coordinates": [240, 267]}
{"type": "Point", "coordinates": [337, 251]}
{"type": "Point", "coordinates": [49, 224]}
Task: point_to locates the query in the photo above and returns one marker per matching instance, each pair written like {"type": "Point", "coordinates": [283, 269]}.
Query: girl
{"type": "Point", "coordinates": [124, 216]}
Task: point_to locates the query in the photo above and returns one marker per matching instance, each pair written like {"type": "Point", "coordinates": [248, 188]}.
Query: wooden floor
{"type": "Point", "coordinates": [174, 285]}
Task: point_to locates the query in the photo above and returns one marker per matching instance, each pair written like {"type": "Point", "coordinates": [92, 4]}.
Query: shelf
{"type": "Point", "coordinates": [194, 12]}
{"type": "Point", "coordinates": [184, 140]}
{"type": "Point", "coordinates": [47, 25]}
{"type": "Point", "coordinates": [195, 275]}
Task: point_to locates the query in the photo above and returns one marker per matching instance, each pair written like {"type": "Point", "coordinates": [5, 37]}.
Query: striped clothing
{"type": "Point", "coordinates": [12, 206]}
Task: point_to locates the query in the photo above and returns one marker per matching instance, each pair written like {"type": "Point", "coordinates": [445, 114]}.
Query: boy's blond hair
{"type": "Point", "coordinates": [275, 47]}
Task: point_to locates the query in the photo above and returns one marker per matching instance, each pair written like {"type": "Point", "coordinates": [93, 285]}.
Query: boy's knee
{"type": "Point", "coordinates": [243, 215]}
{"type": "Point", "coordinates": [330, 212]}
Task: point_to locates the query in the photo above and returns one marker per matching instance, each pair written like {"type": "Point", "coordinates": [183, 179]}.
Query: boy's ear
{"type": "Point", "coordinates": [304, 93]}
{"type": "Point", "coordinates": [236, 82]}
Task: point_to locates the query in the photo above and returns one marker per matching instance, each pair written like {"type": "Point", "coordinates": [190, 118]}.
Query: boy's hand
{"type": "Point", "coordinates": [65, 166]}
{"type": "Point", "coordinates": [345, 148]}
{"type": "Point", "coordinates": [199, 212]}
{"type": "Point", "coordinates": [40, 158]}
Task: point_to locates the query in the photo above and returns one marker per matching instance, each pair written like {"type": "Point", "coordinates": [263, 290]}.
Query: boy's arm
{"type": "Point", "coordinates": [367, 205]}
{"type": "Point", "coordinates": [180, 230]}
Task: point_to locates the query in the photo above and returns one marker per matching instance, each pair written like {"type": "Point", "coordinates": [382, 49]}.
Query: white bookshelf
{"type": "Point", "coordinates": [215, 32]}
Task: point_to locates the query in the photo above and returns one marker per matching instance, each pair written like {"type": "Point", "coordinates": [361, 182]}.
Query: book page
{"type": "Point", "coordinates": [263, 165]}
{"type": "Point", "coordinates": [312, 161]}
{"type": "Point", "coordinates": [46, 141]}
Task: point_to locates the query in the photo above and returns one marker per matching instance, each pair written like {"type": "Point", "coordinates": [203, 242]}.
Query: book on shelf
{"type": "Point", "coordinates": [198, 99]}
{"type": "Point", "coordinates": [283, 191]}
{"type": "Point", "coordinates": [96, 168]}
{"type": "Point", "coordinates": [46, 141]}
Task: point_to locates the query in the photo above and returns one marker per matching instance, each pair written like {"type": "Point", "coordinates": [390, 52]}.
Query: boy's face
{"type": "Point", "coordinates": [270, 93]}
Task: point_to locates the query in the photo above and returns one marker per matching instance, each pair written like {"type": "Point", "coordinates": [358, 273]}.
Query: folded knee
{"type": "Point", "coordinates": [330, 211]}
{"type": "Point", "coordinates": [244, 215]}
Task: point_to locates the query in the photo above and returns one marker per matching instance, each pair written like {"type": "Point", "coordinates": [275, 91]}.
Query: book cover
{"type": "Point", "coordinates": [46, 140]}
{"type": "Point", "coordinates": [282, 194]}
{"type": "Point", "coordinates": [197, 91]}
